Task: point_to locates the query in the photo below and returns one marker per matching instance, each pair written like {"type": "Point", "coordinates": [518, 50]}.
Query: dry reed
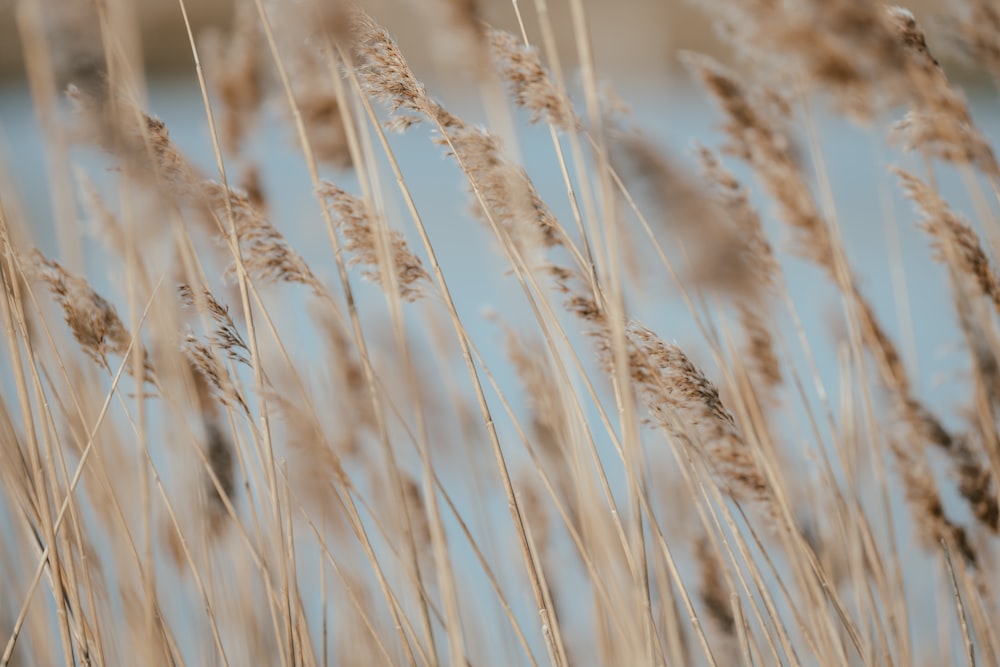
{"type": "Point", "coordinates": [298, 490]}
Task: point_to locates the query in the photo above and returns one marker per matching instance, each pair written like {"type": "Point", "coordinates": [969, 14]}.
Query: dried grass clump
{"type": "Point", "coordinates": [959, 247]}
{"type": "Point", "coordinates": [763, 147]}
{"type": "Point", "coordinates": [377, 484]}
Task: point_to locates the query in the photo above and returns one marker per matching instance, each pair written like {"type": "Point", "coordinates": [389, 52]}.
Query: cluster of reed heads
{"type": "Point", "coordinates": [185, 481]}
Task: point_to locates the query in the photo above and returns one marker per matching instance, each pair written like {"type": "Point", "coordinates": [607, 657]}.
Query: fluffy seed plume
{"type": "Point", "coordinates": [757, 136]}
{"type": "Point", "coordinates": [959, 247]}
{"type": "Point", "coordinates": [92, 319]}
{"type": "Point", "coordinates": [416, 510]}
{"type": "Point", "coordinates": [980, 28]}
{"type": "Point", "coordinates": [713, 590]}
{"type": "Point", "coordinates": [956, 242]}
{"type": "Point", "coordinates": [142, 142]}
{"type": "Point", "coordinates": [267, 255]}
{"type": "Point", "coordinates": [235, 68]}
{"type": "Point", "coordinates": [763, 270]}
{"type": "Point", "coordinates": [550, 423]}
{"type": "Point", "coordinates": [939, 123]}
{"type": "Point", "coordinates": [841, 46]}
{"type": "Point", "coordinates": [355, 220]}
{"type": "Point", "coordinates": [713, 246]}
{"type": "Point", "coordinates": [974, 480]}
{"type": "Point", "coordinates": [204, 361]}
{"type": "Point", "coordinates": [383, 71]}
{"type": "Point", "coordinates": [307, 38]}
{"type": "Point", "coordinates": [927, 509]}
{"type": "Point", "coordinates": [225, 338]}
{"type": "Point", "coordinates": [686, 403]}
{"type": "Point", "coordinates": [316, 467]}
{"type": "Point", "coordinates": [459, 42]}
{"type": "Point", "coordinates": [219, 452]}
{"type": "Point", "coordinates": [529, 83]}
{"type": "Point", "coordinates": [735, 198]}
{"type": "Point", "coordinates": [503, 191]}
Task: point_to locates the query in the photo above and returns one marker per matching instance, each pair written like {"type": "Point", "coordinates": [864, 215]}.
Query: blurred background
{"type": "Point", "coordinates": [629, 36]}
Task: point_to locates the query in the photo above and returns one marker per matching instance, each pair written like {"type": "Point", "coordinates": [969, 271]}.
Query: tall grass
{"type": "Point", "coordinates": [237, 454]}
